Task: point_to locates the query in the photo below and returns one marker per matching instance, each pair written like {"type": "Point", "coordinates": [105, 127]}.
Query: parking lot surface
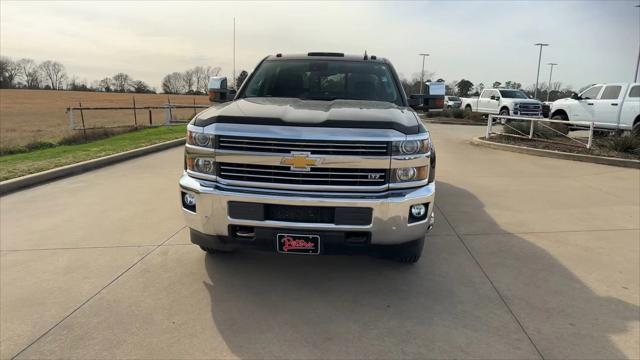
{"type": "Point", "coordinates": [530, 258]}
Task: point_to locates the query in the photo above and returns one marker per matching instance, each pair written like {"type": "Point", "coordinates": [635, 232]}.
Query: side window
{"type": "Point", "coordinates": [591, 93]}
{"type": "Point", "coordinates": [485, 94]}
{"type": "Point", "coordinates": [635, 92]}
{"type": "Point", "coordinates": [611, 92]}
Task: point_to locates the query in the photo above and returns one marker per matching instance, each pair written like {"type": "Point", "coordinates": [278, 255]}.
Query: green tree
{"type": "Point", "coordinates": [512, 85]}
{"type": "Point", "coordinates": [496, 84]}
{"type": "Point", "coordinates": [464, 86]}
{"type": "Point", "coordinates": [241, 78]}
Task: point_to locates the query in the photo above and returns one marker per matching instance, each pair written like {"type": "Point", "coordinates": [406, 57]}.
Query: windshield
{"type": "Point", "coordinates": [513, 94]}
{"type": "Point", "coordinates": [324, 80]}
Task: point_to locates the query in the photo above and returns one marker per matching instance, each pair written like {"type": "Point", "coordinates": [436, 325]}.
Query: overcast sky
{"type": "Point", "coordinates": [593, 41]}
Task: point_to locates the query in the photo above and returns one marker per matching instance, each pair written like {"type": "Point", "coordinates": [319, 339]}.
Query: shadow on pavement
{"type": "Point", "coordinates": [266, 305]}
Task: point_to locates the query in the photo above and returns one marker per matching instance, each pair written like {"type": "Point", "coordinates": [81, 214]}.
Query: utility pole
{"type": "Point", "coordinates": [635, 77]}
{"type": "Point", "coordinates": [234, 53]}
{"type": "Point", "coordinates": [535, 93]}
{"type": "Point", "coordinates": [422, 74]}
{"type": "Point", "coordinates": [550, 73]}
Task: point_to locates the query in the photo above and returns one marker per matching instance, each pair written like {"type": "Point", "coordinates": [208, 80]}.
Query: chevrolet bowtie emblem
{"type": "Point", "coordinates": [300, 161]}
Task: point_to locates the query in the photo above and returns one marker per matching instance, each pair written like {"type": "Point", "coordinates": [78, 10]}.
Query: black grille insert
{"type": "Point", "coordinates": [317, 147]}
{"type": "Point", "coordinates": [300, 214]}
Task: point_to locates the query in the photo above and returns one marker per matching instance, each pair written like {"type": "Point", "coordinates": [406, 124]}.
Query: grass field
{"type": "Point", "coordinates": [12, 166]}
{"type": "Point", "coordinates": [39, 115]}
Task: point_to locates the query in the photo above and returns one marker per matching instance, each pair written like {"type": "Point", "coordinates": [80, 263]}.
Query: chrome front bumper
{"type": "Point", "coordinates": [390, 224]}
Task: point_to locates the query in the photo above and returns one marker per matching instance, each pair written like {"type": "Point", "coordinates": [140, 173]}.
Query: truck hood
{"type": "Point", "coordinates": [564, 101]}
{"type": "Point", "coordinates": [313, 113]}
{"type": "Point", "coordinates": [524, 101]}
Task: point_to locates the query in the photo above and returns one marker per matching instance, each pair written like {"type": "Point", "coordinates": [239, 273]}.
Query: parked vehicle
{"type": "Point", "coordinates": [503, 102]}
{"type": "Point", "coordinates": [614, 106]}
{"type": "Point", "coordinates": [452, 102]}
{"type": "Point", "coordinates": [432, 99]}
{"type": "Point", "coordinates": [318, 153]}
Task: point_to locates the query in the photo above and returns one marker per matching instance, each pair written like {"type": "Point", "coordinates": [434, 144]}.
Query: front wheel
{"type": "Point", "coordinates": [504, 112]}
{"type": "Point", "coordinates": [410, 252]}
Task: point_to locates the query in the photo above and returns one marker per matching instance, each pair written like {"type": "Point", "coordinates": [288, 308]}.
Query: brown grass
{"type": "Point", "coordinates": [28, 116]}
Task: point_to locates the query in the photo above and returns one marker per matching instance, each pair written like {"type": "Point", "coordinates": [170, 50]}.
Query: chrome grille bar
{"type": "Point", "coordinates": [316, 176]}
{"type": "Point", "coordinates": [318, 147]}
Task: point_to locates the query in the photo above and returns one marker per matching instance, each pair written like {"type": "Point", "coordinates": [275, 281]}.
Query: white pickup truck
{"type": "Point", "coordinates": [504, 102]}
{"type": "Point", "coordinates": [613, 106]}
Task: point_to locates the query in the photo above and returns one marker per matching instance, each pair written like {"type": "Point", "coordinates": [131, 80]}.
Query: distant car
{"type": "Point", "coordinates": [452, 102]}
{"type": "Point", "coordinates": [614, 106]}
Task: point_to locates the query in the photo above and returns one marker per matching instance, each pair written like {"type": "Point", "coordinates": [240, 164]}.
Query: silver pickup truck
{"type": "Point", "coordinates": [316, 154]}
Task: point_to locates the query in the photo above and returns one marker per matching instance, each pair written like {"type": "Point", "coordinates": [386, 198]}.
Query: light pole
{"type": "Point", "coordinates": [635, 77]}
{"type": "Point", "coordinates": [422, 74]}
{"type": "Point", "coordinates": [234, 53]}
{"type": "Point", "coordinates": [535, 93]}
{"type": "Point", "coordinates": [550, 73]}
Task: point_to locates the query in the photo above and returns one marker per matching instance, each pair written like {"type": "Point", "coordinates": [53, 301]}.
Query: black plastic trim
{"type": "Point", "coordinates": [223, 119]}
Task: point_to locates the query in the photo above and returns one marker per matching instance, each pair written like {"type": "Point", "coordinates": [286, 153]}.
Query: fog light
{"type": "Point", "coordinates": [406, 174]}
{"type": "Point", "coordinates": [189, 199]}
{"type": "Point", "coordinates": [418, 211]}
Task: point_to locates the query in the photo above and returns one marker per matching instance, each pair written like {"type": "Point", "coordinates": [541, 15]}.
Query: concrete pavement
{"type": "Point", "coordinates": [530, 258]}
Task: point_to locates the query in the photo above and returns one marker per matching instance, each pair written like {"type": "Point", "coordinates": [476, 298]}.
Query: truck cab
{"type": "Point", "coordinates": [612, 106]}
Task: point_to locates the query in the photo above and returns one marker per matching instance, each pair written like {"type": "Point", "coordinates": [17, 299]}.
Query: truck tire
{"type": "Point", "coordinates": [410, 252]}
{"type": "Point", "coordinates": [468, 108]}
{"type": "Point", "coordinates": [213, 251]}
{"type": "Point", "coordinates": [635, 130]}
{"type": "Point", "coordinates": [504, 112]}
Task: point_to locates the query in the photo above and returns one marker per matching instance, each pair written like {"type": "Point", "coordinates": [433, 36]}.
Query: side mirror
{"type": "Point", "coordinates": [413, 102]}
{"type": "Point", "coordinates": [493, 97]}
{"type": "Point", "coordinates": [217, 89]}
{"type": "Point", "coordinates": [575, 96]}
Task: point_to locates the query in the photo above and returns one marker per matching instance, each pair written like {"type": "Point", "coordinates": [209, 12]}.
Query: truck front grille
{"type": "Point", "coordinates": [317, 147]}
{"type": "Point", "coordinates": [530, 109]}
{"type": "Point", "coordinates": [316, 176]}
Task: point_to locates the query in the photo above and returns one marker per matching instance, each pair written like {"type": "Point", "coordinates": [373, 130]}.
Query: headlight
{"type": "Point", "coordinates": [200, 139]}
{"type": "Point", "coordinates": [411, 147]}
{"type": "Point", "coordinates": [201, 164]}
{"type": "Point", "coordinates": [516, 105]}
{"type": "Point", "coordinates": [408, 174]}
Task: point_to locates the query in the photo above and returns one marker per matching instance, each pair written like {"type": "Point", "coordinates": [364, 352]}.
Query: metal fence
{"type": "Point", "coordinates": [507, 122]}
{"type": "Point", "coordinates": [137, 119]}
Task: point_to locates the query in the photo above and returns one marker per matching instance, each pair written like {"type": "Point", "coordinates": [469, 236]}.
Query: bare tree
{"type": "Point", "coordinates": [9, 72]}
{"type": "Point", "coordinates": [450, 88]}
{"type": "Point", "coordinates": [188, 80]}
{"type": "Point", "coordinates": [556, 85]}
{"type": "Point", "coordinates": [200, 76]}
{"type": "Point", "coordinates": [173, 83]}
{"type": "Point", "coordinates": [121, 82]}
{"type": "Point", "coordinates": [139, 86]}
{"type": "Point", "coordinates": [105, 85]}
{"type": "Point", "coordinates": [54, 72]}
{"type": "Point", "coordinates": [30, 73]}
